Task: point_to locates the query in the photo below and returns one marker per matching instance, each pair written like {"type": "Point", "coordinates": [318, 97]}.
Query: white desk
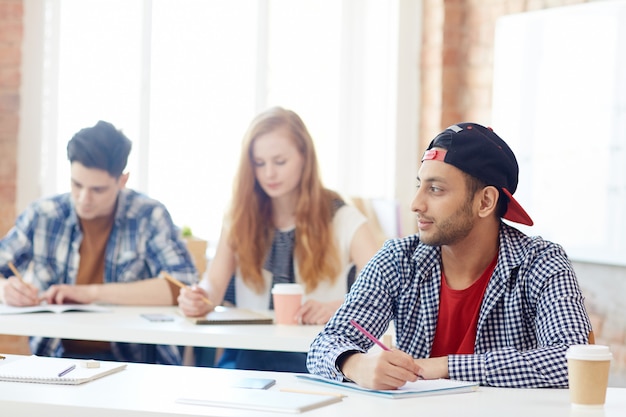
{"type": "Point", "coordinates": [124, 324]}
{"type": "Point", "coordinates": [144, 390]}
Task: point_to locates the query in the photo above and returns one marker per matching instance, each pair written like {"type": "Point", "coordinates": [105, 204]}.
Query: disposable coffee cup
{"type": "Point", "coordinates": [287, 301]}
{"type": "Point", "coordinates": [588, 369]}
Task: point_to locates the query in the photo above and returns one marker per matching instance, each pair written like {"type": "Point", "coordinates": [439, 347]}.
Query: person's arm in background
{"type": "Point", "coordinates": [152, 291]}
{"type": "Point", "coordinates": [165, 251]}
{"type": "Point", "coordinates": [356, 244]}
{"type": "Point", "coordinates": [16, 247]}
{"type": "Point", "coordinates": [362, 247]}
{"type": "Point", "coordinates": [221, 270]}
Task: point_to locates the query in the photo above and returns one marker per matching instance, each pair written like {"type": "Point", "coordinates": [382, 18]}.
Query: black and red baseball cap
{"type": "Point", "coordinates": [479, 152]}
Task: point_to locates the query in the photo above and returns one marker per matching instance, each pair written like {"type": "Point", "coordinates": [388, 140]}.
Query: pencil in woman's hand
{"type": "Point", "coordinates": [181, 285]}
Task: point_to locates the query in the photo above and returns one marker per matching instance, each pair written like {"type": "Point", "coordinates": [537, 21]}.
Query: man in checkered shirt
{"type": "Point", "coordinates": [100, 243]}
{"type": "Point", "coordinates": [471, 297]}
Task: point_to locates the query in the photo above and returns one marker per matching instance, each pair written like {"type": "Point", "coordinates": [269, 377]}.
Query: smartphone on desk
{"type": "Point", "coordinates": [157, 317]}
{"type": "Point", "coordinates": [254, 383]}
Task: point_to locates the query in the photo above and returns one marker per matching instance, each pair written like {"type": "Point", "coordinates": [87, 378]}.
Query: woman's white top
{"type": "Point", "coordinates": [346, 221]}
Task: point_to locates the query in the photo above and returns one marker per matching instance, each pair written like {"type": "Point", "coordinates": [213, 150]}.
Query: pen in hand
{"type": "Point", "coordinates": [15, 271]}
{"type": "Point", "coordinates": [19, 276]}
{"type": "Point", "coordinates": [66, 371]}
{"type": "Point", "coordinates": [181, 285]}
{"type": "Point", "coordinates": [369, 335]}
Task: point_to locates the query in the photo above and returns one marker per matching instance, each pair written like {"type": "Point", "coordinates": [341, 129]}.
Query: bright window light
{"type": "Point", "coordinates": [184, 78]}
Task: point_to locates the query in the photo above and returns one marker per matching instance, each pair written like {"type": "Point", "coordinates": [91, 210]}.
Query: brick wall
{"type": "Point", "coordinates": [10, 59]}
{"type": "Point", "coordinates": [11, 30]}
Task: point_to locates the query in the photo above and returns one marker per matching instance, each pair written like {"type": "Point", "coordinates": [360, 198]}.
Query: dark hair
{"type": "Point", "coordinates": [101, 146]}
{"type": "Point", "coordinates": [473, 184]}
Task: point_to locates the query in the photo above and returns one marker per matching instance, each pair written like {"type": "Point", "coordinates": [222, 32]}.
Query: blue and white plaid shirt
{"type": "Point", "coordinates": [532, 311]}
{"type": "Point", "coordinates": [44, 244]}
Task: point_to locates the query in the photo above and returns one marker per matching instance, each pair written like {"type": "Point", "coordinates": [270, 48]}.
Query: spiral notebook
{"type": "Point", "coordinates": [46, 370]}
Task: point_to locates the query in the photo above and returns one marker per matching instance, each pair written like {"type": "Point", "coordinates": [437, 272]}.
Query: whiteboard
{"type": "Point", "coordinates": [559, 101]}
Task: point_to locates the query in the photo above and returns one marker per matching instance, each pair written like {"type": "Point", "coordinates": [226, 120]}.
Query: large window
{"type": "Point", "coordinates": [183, 78]}
{"type": "Point", "coordinates": [565, 118]}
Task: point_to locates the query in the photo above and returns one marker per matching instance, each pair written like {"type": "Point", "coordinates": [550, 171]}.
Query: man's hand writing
{"type": "Point", "coordinates": [19, 293]}
{"type": "Point", "coordinates": [381, 369]}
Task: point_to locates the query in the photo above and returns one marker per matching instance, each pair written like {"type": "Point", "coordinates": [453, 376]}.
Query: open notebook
{"type": "Point", "coordinates": [419, 388]}
{"type": "Point", "coordinates": [52, 308]}
{"type": "Point", "coordinates": [46, 370]}
{"type": "Point", "coordinates": [232, 315]}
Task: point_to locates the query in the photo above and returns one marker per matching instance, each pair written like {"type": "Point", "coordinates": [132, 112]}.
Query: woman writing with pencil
{"type": "Point", "coordinates": [283, 226]}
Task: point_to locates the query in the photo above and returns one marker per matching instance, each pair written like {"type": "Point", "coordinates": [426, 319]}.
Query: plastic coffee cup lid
{"type": "Point", "coordinates": [288, 289]}
{"type": "Point", "coordinates": [589, 353]}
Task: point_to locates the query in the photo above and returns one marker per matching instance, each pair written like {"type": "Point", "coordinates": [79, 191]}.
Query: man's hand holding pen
{"type": "Point", "coordinates": [20, 293]}
{"type": "Point", "coordinates": [17, 292]}
{"type": "Point", "coordinates": [389, 369]}
{"type": "Point", "coordinates": [382, 369]}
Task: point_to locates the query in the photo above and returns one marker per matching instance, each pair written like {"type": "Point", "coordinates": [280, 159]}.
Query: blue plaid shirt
{"type": "Point", "coordinates": [531, 313]}
{"type": "Point", "coordinates": [44, 245]}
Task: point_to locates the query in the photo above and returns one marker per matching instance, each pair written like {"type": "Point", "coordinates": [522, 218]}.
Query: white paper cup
{"type": "Point", "coordinates": [588, 371]}
{"type": "Point", "coordinates": [287, 301]}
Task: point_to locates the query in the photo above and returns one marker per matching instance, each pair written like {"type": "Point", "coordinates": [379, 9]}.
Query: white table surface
{"type": "Point", "coordinates": [125, 324]}
{"type": "Point", "coordinates": [144, 390]}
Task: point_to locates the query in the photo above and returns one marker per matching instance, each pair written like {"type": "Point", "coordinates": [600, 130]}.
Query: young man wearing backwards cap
{"type": "Point", "coordinates": [471, 297]}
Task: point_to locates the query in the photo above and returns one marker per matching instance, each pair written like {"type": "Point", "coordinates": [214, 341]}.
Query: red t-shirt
{"type": "Point", "coordinates": [458, 315]}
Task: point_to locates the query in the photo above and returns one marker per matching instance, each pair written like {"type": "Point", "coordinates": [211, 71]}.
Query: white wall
{"type": "Point", "coordinates": [30, 132]}
{"type": "Point", "coordinates": [560, 100]}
